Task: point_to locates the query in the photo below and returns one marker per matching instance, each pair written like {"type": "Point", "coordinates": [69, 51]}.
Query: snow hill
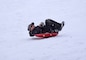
{"type": "Point", "coordinates": [16, 44]}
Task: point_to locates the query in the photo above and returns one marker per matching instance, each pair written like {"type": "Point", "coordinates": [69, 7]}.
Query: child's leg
{"type": "Point", "coordinates": [53, 24]}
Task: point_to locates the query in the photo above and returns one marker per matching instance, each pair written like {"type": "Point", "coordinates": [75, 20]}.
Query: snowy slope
{"type": "Point", "coordinates": [15, 43]}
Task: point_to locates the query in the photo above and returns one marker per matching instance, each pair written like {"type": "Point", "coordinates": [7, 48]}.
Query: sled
{"type": "Point", "coordinates": [46, 35]}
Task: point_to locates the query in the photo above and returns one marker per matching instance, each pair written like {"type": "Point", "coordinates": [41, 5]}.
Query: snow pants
{"type": "Point", "coordinates": [53, 24]}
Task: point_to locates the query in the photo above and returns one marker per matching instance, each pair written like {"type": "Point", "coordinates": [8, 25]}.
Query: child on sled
{"type": "Point", "coordinates": [50, 26]}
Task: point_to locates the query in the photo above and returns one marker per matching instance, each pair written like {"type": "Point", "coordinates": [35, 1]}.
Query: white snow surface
{"type": "Point", "coordinates": [15, 42]}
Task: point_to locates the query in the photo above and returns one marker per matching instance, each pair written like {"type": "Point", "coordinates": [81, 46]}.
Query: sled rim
{"type": "Point", "coordinates": [46, 35]}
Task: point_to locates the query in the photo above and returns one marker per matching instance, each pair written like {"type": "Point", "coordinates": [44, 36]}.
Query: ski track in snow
{"type": "Point", "coordinates": [16, 44]}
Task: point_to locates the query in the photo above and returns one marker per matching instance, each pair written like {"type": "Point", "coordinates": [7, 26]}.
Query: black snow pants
{"type": "Point", "coordinates": [53, 24]}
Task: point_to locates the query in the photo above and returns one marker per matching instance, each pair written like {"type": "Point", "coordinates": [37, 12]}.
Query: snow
{"type": "Point", "coordinates": [16, 44]}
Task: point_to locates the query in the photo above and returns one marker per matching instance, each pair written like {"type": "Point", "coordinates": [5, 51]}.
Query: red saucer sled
{"type": "Point", "coordinates": [46, 35]}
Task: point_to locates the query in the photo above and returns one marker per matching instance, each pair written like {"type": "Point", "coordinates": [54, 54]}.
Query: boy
{"type": "Point", "coordinates": [49, 27]}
